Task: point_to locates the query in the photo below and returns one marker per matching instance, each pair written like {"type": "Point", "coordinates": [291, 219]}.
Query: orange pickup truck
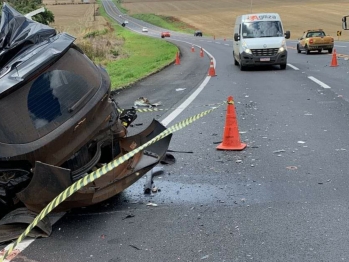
{"type": "Point", "coordinates": [315, 40]}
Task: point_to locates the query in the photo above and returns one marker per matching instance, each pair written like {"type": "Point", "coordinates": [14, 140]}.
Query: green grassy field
{"type": "Point", "coordinates": [139, 58]}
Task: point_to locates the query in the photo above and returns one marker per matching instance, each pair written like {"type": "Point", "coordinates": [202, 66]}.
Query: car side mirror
{"type": "Point", "coordinates": [287, 34]}
{"type": "Point", "coordinates": [236, 37]}
{"type": "Point", "coordinates": [344, 22]}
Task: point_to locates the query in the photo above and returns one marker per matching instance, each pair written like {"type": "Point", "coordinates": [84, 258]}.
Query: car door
{"type": "Point", "coordinates": [302, 41]}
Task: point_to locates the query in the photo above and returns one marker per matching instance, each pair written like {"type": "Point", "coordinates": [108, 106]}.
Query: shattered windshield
{"type": "Point", "coordinates": [262, 29]}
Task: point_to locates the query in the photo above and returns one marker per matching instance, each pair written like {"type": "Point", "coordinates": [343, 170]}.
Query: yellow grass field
{"type": "Point", "coordinates": [75, 19]}
{"type": "Point", "coordinates": [217, 17]}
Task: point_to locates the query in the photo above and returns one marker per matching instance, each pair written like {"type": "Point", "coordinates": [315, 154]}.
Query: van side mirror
{"type": "Point", "coordinates": [236, 37]}
{"type": "Point", "coordinates": [344, 23]}
{"type": "Point", "coordinates": [287, 34]}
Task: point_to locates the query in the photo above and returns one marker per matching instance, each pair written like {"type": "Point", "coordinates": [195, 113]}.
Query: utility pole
{"type": "Point", "coordinates": [94, 11]}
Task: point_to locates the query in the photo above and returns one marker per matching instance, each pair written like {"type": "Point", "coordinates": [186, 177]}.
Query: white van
{"type": "Point", "coordinates": [259, 39]}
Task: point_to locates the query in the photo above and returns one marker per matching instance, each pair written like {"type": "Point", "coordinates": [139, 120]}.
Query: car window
{"type": "Point", "coordinates": [262, 29]}
{"type": "Point", "coordinates": [48, 101]}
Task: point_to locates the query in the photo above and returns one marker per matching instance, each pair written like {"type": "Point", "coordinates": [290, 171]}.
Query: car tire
{"type": "Point", "coordinates": [298, 50]}
{"type": "Point", "coordinates": [330, 51]}
{"type": "Point", "coordinates": [235, 61]}
{"type": "Point", "coordinates": [162, 36]}
{"type": "Point", "coordinates": [242, 68]}
{"type": "Point", "coordinates": [283, 66]}
{"type": "Point", "coordinates": [307, 50]}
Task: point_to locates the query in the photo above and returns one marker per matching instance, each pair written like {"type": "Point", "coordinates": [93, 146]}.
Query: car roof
{"type": "Point", "coordinates": [314, 30]}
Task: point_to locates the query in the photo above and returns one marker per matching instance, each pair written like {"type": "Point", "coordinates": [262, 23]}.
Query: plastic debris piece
{"type": "Point", "coordinates": [143, 101]}
{"type": "Point", "coordinates": [152, 204]}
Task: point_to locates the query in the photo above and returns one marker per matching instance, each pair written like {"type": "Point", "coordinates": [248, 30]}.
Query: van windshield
{"type": "Point", "coordinates": [259, 29]}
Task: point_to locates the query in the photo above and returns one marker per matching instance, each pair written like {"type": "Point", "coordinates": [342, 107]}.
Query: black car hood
{"type": "Point", "coordinates": [25, 46]}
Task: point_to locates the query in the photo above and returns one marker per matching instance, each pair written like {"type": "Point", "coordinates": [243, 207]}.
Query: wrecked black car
{"type": "Point", "coordinates": [58, 121]}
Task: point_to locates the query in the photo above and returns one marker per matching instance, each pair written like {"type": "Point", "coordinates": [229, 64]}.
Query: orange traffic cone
{"type": "Point", "coordinates": [231, 136]}
{"type": "Point", "coordinates": [211, 70]}
{"type": "Point", "coordinates": [201, 52]}
{"type": "Point", "coordinates": [192, 48]}
{"type": "Point", "coordinates": [178, 62]}
{"type": "Point", "coordinates": [334, 58]}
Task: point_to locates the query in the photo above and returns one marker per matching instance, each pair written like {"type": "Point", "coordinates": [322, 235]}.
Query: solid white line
{"type": "Point", "coordinates": [318, 82]}
{"type": "Point", "coordinates": [185, 104]}
{"type": "Point", "coordinates": [339, 46]}
{"type": "Point", "coordinates": [292, 66]}
{"type": "Point", "coordinates": [190, 99]}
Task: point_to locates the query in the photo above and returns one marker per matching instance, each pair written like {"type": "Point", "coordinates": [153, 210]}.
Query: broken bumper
{"type": "Point", "coordinates": [48, 181]}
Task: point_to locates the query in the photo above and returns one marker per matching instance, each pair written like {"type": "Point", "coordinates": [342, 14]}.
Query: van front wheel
{"type": "Point", "coordinates": [235, 61]}
{"type": "Point", "coordinates": [242, 68]}
{"type": "Point", "coordinates": [283, 66]}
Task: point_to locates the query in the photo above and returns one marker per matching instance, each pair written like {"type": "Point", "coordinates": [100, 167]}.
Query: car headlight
{"type": "Point", "coordinates": [248, 51]}
{"type": "Point", "coordinates": [283, 46]}
{"type": "Point", "coordinates": [281, 49]}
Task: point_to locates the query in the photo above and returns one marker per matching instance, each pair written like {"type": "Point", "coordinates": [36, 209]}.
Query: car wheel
{"type": "Point", "coordinates": [242, 68]}
{"type": "Point", "coordinates": [283, 66]}
{"type": "Point", "coordinates": [298, 50]}
{"type": "Point", "coordinates": [307, 50]}
{"type": "Point", "coordinates": [319, 51]}
{"type": "Point", "coordinates": [162, 36]}
{"type": "Point", "coordinates": [330, 51]}
{"type": "Point", "coordinates": [235, 61]}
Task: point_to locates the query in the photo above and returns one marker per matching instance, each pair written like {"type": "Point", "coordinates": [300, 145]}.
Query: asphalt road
{"type": "Point", "coordinates": [283, 198]}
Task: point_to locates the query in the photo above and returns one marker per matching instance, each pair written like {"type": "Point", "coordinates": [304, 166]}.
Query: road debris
{"type": "Point", "coordinates": [135, 247]}
{"type": "Point", "coordinates": [152, 204]}
{"type": "Point", "coordinates": [149, 182]}
{"type": "Point", "coordinates": [168, 159]}
{"type": "Point", "coordinates": [279, 151]}
{"type": "Point", "coordinates": [143, 101]}
{"type": "Point", "coordinates": [128, 216]}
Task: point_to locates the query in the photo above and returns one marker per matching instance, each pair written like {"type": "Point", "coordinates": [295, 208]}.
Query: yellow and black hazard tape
{"type": "Point", "coordinates": [100, 172]}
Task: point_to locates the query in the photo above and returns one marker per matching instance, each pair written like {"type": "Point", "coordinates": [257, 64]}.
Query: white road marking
{"type": "Point", "coordinates": [190, 99]}
{"type": "Point", "coordinates": [217, 42]}
{"type": "Point", "coordinates": [318, 82]}
{"type": "Point", "coordinates": [27, 241]}
{"type": "Point", "coordinates": [226, 44]}
{"type": "Point", "coordinates": [339, 45]}
{"type": "Point", "coordinates": [292, 66]}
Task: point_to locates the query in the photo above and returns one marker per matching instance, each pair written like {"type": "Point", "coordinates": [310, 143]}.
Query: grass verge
{"type": "Point", "coordinates": [168, 22]}
{"type": "Point", "coordinates": [140, 56]}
